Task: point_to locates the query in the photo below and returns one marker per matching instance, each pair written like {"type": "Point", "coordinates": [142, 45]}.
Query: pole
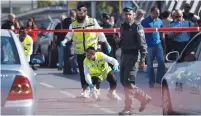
{"type": "Point", "coordinates": [10, 6]}
{"type": "Point", "coordinates": [93, 9]}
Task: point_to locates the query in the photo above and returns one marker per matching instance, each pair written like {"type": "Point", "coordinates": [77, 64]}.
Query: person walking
{"type": "Point", "coordinates": [132, 40]}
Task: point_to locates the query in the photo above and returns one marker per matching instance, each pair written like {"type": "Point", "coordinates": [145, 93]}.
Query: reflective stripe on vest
{"type": "Point", "coordinates": [98, 68]}
{"type": "Point", "coordinates": [83, 40]}
{"type": "Point", "coordinates": [27, 45]}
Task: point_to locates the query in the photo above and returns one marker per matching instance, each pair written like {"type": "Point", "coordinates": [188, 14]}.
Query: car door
{"type": "Point", "coordinates": [188, 86]}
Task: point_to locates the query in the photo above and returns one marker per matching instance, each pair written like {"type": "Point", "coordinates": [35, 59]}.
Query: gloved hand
{"type": "Point", "coordinates": [63, 43]}
{"type": "Point", "coordinates": [94, 93]}
{"type": "Point", "coordinates": [108, 48]}
{"type": "Point", "coordinates": [91, 86]}
{"type": "Point", "coordinates": [115, 69]}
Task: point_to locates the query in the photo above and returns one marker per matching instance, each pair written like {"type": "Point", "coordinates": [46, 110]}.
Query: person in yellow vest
{"type": "Point", "coordinates": [96, 70]}
{"type": "Point", "coordinates": [83, 40]}
{"type": "Point", "coordinates": [27, 43]}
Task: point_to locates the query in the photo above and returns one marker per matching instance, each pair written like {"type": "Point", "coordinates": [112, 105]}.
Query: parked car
{"type": "Point", "coordinates": [18, 84]}
{"type": "Point", "coordinates": [45, 45]}
{"type": "Point", "coordinates": [181, 85]}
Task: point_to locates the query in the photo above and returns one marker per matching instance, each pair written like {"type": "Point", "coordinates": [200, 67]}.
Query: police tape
{"type": "Point", "coordinates": [114, 30]}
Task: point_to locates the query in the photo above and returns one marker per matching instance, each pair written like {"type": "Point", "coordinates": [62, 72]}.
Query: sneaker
{"type": "Point", "coordinates": [126, 112]}
{"type": "Point", "coordinates": [95, 94]}
{"type": "Point", "coordinates": [113, 95]}
{"type": "Point", "coordinates": [84, 94]}
{"type": "Point", "coordinates": [144, 103]}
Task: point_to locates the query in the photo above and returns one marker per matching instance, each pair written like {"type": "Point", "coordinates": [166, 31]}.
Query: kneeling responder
{"type": "Point", "coordinates": [96, 70]}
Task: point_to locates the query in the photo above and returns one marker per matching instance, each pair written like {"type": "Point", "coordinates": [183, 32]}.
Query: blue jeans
{"type": "Point", "coordinates": [156, 51]}
{"type": "Point", "coordinates": [60, 56]}
{"type": "Point", "coordinates": [74, 63]}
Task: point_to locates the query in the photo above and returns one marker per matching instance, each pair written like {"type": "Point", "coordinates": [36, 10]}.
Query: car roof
{"type": "Point", "coordinates": [5, 32]}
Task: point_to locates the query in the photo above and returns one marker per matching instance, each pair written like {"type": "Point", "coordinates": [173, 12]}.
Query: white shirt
{"type": "Point", "coordinates": [107, 59]}
{"type": "Point", "coordinates": [100, 35]}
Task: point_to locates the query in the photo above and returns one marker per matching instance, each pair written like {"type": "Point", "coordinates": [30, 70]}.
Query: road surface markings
{"type": "Point", "coordinates": [47, 85]}
{"type": "Point", "coordinates": [103, 109]}
{"type": "Point", "coordinates": [68, 94]}
{"type": "Point", "coordinates": [92, 105]}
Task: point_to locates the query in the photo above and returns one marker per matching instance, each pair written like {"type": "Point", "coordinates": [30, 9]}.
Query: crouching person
{"type": "Point", "coordinates": [96, 70]}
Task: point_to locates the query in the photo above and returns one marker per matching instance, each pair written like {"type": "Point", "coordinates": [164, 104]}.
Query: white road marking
{"type": "Point", "coordinates": [47, 85]}
{"type": "Point", "coordinates": [103, 109]}
{"type": "Point", "coordinates": [92, 105]}
{"type": "Point", "coordinates": [68, 94]}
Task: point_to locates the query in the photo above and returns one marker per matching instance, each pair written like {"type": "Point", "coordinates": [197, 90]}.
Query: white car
{"type": "Point", "coordinates": [18, 81]}
{"type": "Point", "coordinates": [181, 85]}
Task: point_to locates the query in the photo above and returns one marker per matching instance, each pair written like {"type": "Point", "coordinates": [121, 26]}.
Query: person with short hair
{"type": "Point", "coordinates": [83, 40]}
{"type": "Point", "coordinates": [155, 48]}
{"type": "Point", "coordinates": [96, 70]}
{"type": "Point", "coordinates": [27, 43]}
{"type": "Point", "coordinates": [132, 42]}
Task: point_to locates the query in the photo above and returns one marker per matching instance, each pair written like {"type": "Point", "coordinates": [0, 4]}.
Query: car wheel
{"type": "Point", "coordinates": [166, 102]}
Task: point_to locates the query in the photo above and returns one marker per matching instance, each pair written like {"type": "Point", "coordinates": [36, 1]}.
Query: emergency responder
{"type": "Point", "coordinates": [96, 70]}
{"type": "Point", "coordinates": [132, 40]}
{"type": "Point", "coordinates": [83, 40]}
{"type": "Point", "coordinates": [27, 43]}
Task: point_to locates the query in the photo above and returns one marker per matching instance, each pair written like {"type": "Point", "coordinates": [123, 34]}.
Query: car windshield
{"type": "Point", "coordinates": [9, 54]}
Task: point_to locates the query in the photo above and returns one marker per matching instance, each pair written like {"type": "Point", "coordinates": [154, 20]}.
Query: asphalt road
{"type": "Point", "coordinates": [56, 96]}
{"type": "Point", "coordinates": [57, 93]}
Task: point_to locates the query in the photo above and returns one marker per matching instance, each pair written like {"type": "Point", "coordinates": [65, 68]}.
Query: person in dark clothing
{"type": "Point", "coordinates": [68, 64]}
{"type": "Point", "coordinates": [58, 38]}
{"type": "Point", "coordinates": [199, 21]}
{"type": "Point", "coordinates": [110, 36]}
{"type": "Point", "coordinates": [11, 23]}
{"type": "Point", "coordinates": [132, 40]}
{"type": "Point", "coordinates": [187, 15]}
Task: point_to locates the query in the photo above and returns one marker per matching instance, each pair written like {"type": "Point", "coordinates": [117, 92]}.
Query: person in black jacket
{"type": "Point", "coordinates": [132, 40]}
{"type": "Point", "coordinates": [106, 23]}
{"type": "Point", "coordinates": [10, 23]}
{"type": "Point", "coordinates": [69, 66]}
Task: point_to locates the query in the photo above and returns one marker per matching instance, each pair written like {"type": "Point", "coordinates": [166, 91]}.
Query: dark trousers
{"type": "Point", "coordinates": [67, 69]}
{"type": "Point", "coordinates": [169, 44]}
{"type": "Point", "coordinates": [179, 46]}
{"type": "Point", "coordinates": [128, 72]}
{"type": "Point", "coordinates": [80, 60]}
{"type": "Point", "coordinates": [110, 78]}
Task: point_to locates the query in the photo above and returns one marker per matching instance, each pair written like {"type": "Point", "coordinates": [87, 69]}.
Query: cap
{"type": "Point", "coordinates": [105, 15]}
{"type": "Point", "coordinates": [127, 9]}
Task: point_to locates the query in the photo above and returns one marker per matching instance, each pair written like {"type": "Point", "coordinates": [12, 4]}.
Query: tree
{"type": "Point", "coordinates": [41, 4]}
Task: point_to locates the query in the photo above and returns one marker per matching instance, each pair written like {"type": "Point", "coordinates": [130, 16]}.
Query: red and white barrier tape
{"type": "Point", "coordinates": [113, 30]}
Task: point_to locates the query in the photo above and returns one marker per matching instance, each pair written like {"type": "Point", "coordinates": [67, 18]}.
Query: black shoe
{"type": "Point", "coordinates": [151, 85]}
{"type": "Point", "coordinates": [126, 112]}
{"type": "Point", "coordinates": [34, 68]}
{"type": "Point", "coordinates": [59, 68]}
{"type": "Point", "coordinates": [144, 103]}
{"type": "Point", "coordinates": [159, 82]}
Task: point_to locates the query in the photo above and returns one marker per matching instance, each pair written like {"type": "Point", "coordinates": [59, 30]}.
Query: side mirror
{"type": "Point", "coordinates": [37, 59]}
{"type": "Point", "coordinates": [172, 56]}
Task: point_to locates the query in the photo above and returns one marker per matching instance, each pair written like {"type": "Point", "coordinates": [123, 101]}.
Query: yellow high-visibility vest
{"type": "Point", "coordinates": [98, 68]}
{"type": "Point", "coordinates": [83, 40]}
{"type": "Point", "coordinates": [27, 44]}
